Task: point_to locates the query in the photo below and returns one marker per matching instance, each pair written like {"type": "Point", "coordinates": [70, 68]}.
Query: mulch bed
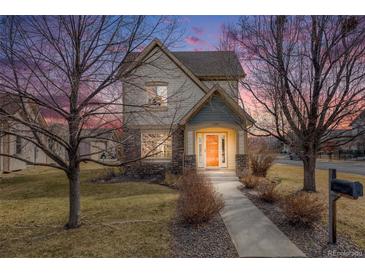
{"type": "Point", "coordinates": [210, 240]}
{"type": "Point", "coordinates": [311, 240]}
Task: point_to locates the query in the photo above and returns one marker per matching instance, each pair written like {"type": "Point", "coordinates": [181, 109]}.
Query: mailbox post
{"type": "Point", "coordinates": [336, 189]}
{"type": "Point", "coordinates": [332, 214]}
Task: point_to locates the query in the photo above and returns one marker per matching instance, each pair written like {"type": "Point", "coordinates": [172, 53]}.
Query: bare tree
{"type": "Point", "coordinates": [71, 67]}
{"type": "Point", "coordinates": [305, 77]}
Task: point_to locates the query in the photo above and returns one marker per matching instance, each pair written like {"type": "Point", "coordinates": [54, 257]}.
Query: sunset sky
{"type": "Point", "coordinates": [203, 32]}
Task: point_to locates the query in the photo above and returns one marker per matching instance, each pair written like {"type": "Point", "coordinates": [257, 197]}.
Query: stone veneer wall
{"type": "Point", "coordinates": [177, 151]}
{"type": "Point", "coordinates": [242, 165]}
{"type": "Point", "coordinates": [132, 144]}
{"type": "Point", "coordinates": [189, 162]}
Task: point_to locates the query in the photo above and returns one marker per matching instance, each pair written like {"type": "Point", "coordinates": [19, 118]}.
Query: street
{"type": "Point", "coordinates": [355, 167]}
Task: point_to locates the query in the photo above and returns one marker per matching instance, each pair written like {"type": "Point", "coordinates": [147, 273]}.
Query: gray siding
{"type": "Point", "coordinates": [182, 92]}
{"type": "Point", "coordinates": [215, 110]}
{"type": "Point", "coordinates": [230, 86]}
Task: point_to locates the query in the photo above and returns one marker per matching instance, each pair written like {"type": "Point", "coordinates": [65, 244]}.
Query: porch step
{"type": "Point", "coordinates": [225, 179]}
{"type": "Point", "coordinates": [227, 174]}
{"type": "Point", "coordinates": [220, 175]}
{"type": "Point", "coordinates": [217, 171]}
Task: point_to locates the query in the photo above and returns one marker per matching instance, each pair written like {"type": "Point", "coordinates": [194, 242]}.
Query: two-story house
{"type": "Point", "coordinates": [181, 111]}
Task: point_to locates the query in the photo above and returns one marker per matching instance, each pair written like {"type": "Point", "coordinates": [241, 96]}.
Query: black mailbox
{"type": "Point", "coordinates": [336, 189]}
{"type": "Point", "coordinates": [353, 189]}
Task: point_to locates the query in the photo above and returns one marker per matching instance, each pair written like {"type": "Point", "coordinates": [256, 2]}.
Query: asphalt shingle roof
{"type": "Point", "coordinates": [211, 63]}
{"type": "Point", "coordinates": [207, 63]}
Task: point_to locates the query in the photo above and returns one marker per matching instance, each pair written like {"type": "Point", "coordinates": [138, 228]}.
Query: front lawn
{"type": "Point", "coordinates": [350, 213]}
{"type": "Point", "coordinates": [118, 220]}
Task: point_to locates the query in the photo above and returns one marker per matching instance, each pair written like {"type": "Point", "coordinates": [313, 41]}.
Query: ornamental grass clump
{"type": "Point", "coordinates": [267, 190]}
{"type": "Point", "coordinates": [261, 161]}
{"type": "Point", "coordinates": [250, 181]}
{"type": "Point", "coordinates": [302, 208]}
{"type": "Point", "coordinates": [198, 201]}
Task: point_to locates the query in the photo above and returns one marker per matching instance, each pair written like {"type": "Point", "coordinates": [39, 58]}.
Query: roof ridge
{"type": "Point", "coordinates": [197, 51]}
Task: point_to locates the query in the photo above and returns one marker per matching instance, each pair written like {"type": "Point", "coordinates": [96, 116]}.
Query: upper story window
{"type": "Point", "coordinates": [157, 94]}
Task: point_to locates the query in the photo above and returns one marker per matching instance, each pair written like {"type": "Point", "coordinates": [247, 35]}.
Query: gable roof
{"type": "Point", "coordinates": [212, 64]}
{"type": "Point", "coordinates": [216, 89]}
{"type": "Point", "coordinates": [202, 65]}
{"type": "Point", "coordinates": [139, 57]}
{"type": "Point", "coordinates": [9, 104]}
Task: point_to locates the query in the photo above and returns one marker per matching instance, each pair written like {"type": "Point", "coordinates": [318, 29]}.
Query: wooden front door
{"type": "Point", "coordinates": [212, 151]}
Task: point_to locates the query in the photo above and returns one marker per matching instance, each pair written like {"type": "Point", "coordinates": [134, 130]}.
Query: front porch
{"type": "Point", "coordinates": [212, 148]}
{"type": "Point", "coordinates": [215, 134]}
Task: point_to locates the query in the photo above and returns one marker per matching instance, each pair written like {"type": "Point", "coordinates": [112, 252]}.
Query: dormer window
{"type": "Point", "coordinates": [157, 94]}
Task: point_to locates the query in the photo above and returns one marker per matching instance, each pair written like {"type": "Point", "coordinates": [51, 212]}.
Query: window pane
{"type": "Point", "coordinates": [223, 149]}
{"type": "Point", "coordinates": [156, 145]}
{"type": "Point", "coordinates": [157, 95]}
{"type": "Point", "coordinates": [162, 94]}
{"type": "Point", "coordinates": [151, 91]}
{"type": "Point", "coordinates": [18, 145]}
{"type": "Point", "coordinates": [200, 152]}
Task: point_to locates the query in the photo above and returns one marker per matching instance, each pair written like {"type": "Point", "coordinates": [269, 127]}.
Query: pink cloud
{"type": "Point", "coordinates": [198, 30]}
{"type": "Point", "coordinates": [193, 40]}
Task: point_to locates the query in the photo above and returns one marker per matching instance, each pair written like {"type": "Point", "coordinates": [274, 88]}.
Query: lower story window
{"type": "Point", "coordinates": [156, 145]}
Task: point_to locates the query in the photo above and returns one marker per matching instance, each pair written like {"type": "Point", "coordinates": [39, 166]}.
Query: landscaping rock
{"type": "Point", "coordinates": [313, 241]}
{"type": "Point", "coordinates": [210, 240]}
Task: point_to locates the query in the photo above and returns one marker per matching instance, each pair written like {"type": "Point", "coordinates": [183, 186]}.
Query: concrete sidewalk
{"type": "Point", "coordinates": [253, 234]}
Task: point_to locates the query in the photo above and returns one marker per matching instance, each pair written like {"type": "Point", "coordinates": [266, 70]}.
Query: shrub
{"type": "Point", "coordinates": [198, 201]}
{"type": "Point", "coordinates": [302, 208]}
{"type": "Point", "coordinates": [107, 174]}
{"type": "Point", "coordinates": [267, 191]}
{"type": "Point", "coordinates": [171, 179]}
{"type": "Point", "coordinates": [250, 181]}
{"type": "Point", "coordinates": [260, 163]}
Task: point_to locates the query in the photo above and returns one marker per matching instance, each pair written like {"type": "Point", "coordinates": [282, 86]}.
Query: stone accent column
{"type": "Point", "coordinates": [131, 150]}
{"type": "Point", "coordinates": [177, 151]}
{"type": "Point", "coordinates": [189, 162]}
{"type": "Point", "coordinates": [131, 144]}
{"type": "Point", "coordinates": [242, 165]}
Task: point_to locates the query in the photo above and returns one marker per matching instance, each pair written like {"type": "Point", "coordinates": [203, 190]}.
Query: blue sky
{"type": "Point", "coordinates": [203, 32]}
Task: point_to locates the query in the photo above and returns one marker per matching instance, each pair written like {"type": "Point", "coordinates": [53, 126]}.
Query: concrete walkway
{"type": "Point", "coordinates": [253, 234]}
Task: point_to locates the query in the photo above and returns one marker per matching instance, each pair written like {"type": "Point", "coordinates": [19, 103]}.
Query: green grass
{"type": "Point", "coordinates": [350, 213]}
{"type": "Point", "coordinates": [118, 220]}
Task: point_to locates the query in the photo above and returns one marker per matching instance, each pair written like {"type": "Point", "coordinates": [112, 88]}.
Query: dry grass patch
{"type": "Point", "coordinates": [118, 220]}
{"type": "Point", "coordinates": [350, 213]}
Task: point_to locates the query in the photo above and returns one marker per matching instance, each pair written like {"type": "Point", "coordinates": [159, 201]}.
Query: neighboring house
{"type": "Point", "coordinates": [15, 145]}
{"type": "Point", "coordinates": [358, 128]}
{"type": "Point", "coordinates": [191, 119]}
{"type": "Point", "coordinates": [102, 147]}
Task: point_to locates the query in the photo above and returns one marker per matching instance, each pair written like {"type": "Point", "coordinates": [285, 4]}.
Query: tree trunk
{"type": "Point", "coordinates": [74, 205]}
{"type": "Point", "coordinates": [309, 163]}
